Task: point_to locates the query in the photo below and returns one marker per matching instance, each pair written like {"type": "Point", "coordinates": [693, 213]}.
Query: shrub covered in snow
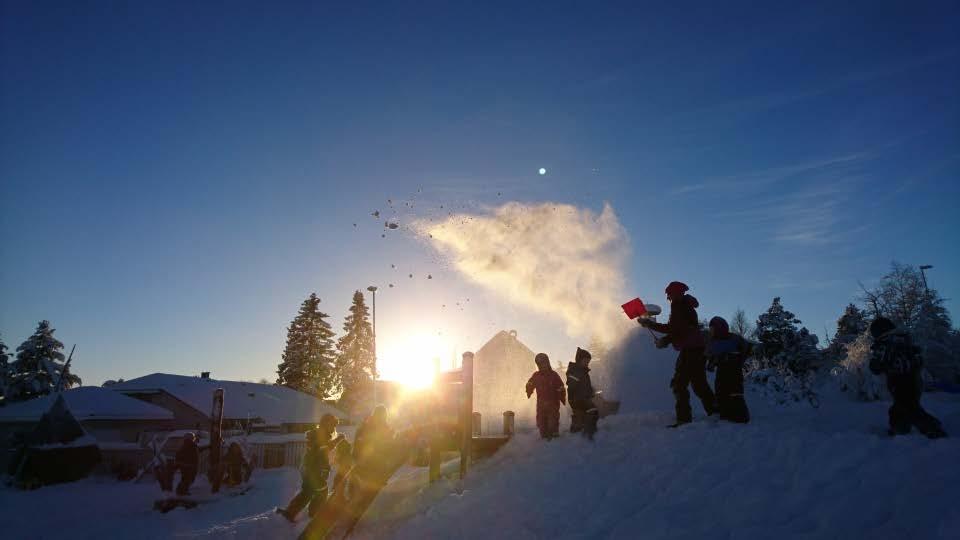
{"type": "Point", "coordinates": [853, 373]}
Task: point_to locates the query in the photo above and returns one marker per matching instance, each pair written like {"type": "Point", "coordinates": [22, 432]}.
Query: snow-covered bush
{"type": "Point", "coordinates": [779, 383]}
{"type": "Point", "coordinates": [853, 373]}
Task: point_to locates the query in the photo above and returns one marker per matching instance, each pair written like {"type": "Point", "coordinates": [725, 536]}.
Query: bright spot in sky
{"type": "Point", "coordinates": [414, 361]}
{"type": "Point", "coordinates": [542, 171]}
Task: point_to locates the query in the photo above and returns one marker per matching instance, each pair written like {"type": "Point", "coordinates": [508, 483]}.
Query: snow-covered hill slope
{"type": "Point", "coordinates": [793, 472]}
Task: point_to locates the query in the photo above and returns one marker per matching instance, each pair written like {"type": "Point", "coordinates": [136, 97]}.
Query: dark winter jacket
{"type": "Point", "coordinates": [188, 455]}
{"type": "Point", "coordinates": [683, 326]}
{"type": "Point", "coordinates": [730, 350]}
{"type": "Point", "coordinates": [315, 469]}
{"type": "Point", "coordinates": [579, 387]}
{"type": "Point", "coordinates": [549, 387]}
{"type": "Point", "coordinates": [372, 436]}
{"type": "Point", "coordinates": [895, 355]}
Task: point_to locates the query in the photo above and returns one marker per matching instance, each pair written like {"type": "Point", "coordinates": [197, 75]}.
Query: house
{"type": "Point", "coordinates": [246, 405]}
{"type": "Point", "coordinates": [500, 372]}
{"type": "Point", "coordinates": [113, 419]}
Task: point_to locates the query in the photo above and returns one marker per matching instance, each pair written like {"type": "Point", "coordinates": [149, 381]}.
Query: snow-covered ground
{"type": "Point", "coordinates": [793, 472]}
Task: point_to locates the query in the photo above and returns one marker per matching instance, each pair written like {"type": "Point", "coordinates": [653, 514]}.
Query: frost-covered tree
{"type": "Point", "coordinates": [782, 343]}
{"type": "Point", "coordinates": [853, 372]}
{"type": "Point", "coordinates": [309, 356]}
{"type": "Point", "coordinates": [740, 324]}
{"type": "Point", "coordinates": [39, 366]}
{"type": "Point", "coordinates": [903, 296]}
{"type": "Point", "coordinates": [850, 326]}
{"type": "Point", "coordinates": [355, 359]}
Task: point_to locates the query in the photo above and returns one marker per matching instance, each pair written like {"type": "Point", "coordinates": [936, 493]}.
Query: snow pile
{"type": "Point", "coordinates": [791, 473]}
{"type": "Point", "coordinates": [556, 259]}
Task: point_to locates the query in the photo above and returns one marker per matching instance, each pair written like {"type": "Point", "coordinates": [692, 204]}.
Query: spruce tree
{"type": "Point", "coordinates": [308, 358]}
{"type": "Point", "coordinates": [39, 366]}
{"type": "Point", "coordinates": [850, 326]}
{"type": "Point", "coordinates": [355, 360]}
{"type": "Point", "coordinates": [782, 343]}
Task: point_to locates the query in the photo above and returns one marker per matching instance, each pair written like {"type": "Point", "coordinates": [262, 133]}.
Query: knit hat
{"type": "Point", "coordinates": [880, 326]}
{"type": "Point", "coordinates": [582, 354]}
{"type": "Point", "coordinates": [676, 288]}
{"type": "Point", "coordinates": [542, 359]}
{"type": "Point", "coordinates": [720, 327]}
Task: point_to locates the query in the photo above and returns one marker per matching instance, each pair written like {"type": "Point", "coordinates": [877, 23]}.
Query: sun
{"type": "Point", "coordinates": [412, 361]}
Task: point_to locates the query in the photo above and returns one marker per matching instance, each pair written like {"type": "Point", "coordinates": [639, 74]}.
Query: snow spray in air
{"type": "Point", "coordinates": [566, 263]}
{"type": "Point", "coordinates": [555, 259]}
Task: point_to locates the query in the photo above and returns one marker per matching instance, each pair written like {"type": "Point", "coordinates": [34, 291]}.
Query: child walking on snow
{"type": "Point", "coordinates": [726, 353]}
{"type": "Point", "coordinates": [894, 355]}
{"type": "Point", "coordinates": [581, 393]}
{"type": "Point", "coordinates": [550, 394]}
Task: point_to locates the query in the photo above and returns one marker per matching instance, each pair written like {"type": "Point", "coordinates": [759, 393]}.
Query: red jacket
{"type": "Point", "coordinates": [549, 387]}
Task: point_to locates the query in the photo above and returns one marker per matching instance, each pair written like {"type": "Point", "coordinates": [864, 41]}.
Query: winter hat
{"type": "Point", "coordinates": [542, 359]}
{"type": "Point", "coordinates": [720, 327]}
{"type": "Point", "coordinates": [582, 354]}
{"type": "Point", "coordinates": [880, 326]}
{"type": "Point", "coordinates": [676, 288]}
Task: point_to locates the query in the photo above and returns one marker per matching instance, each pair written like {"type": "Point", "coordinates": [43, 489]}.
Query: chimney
{"type": "Point", "coordinates": [204, 374]}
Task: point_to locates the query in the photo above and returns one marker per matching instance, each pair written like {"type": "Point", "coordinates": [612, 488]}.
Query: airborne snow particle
{"type": "Point", "coordinates": [391, 285]}
{"type": "Point", "coordinates": [375, 213]}
{"type": "Point", "coordinates": [429, 276]}
{"type": "Point", "coordinates": [542, 171]}
{"type": "Point", "coordinates": [354, 224]}
{"type": "Point", "coordinates": [383, 236]}
{"type": "Point", "coordinates": [411, 275]}
{"type": "Point", "coordinates": [393, 266]}
{"type": "Point", "coordinates": [391, 226]}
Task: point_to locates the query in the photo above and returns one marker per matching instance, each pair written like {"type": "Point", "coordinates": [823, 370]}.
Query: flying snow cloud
{"type": "Point", "coordinates": [555, 259]}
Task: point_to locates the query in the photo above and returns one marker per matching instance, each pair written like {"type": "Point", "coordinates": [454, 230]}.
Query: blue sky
{"type": "Point", "coordinates": [176, 178]}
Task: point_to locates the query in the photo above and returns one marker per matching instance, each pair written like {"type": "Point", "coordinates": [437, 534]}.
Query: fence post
{"type": "Point", "coordinates": [466, 417]}
{"type": "Point", "coordinates": [508, 419]}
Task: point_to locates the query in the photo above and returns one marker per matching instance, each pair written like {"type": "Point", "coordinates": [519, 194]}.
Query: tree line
{"type": "Point", "coordinates": [316, 362]}
{"type": "Point", "coordinates": [902, 295]}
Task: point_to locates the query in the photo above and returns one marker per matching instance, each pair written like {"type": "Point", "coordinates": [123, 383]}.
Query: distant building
{"type": "Point", "coordinates": [246, 405]}
{"type": "Point", "coordinates": [501, 369]}
{"type": "Point", "coordinates": [113, 419]}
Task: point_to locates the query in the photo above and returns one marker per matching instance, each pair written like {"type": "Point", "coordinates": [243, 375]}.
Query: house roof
{"type": "Point", "coordinates": [86, 403]}
{"type": "Point", "coordinates": [505, 345]}
{"type": "Point", "coordinates": [242, 400]}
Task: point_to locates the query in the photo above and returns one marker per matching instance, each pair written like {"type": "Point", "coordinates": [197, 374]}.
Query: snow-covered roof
{"type": "Point", "coordinates": [242, 400]}
{"type": "Point", "coordinates": [86, 403]}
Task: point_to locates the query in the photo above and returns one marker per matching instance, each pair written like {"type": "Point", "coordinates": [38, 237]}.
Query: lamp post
{"type": "Point", "coordinates": [924, 275]}
{"type": "Point", "coordinates": [373, 291]}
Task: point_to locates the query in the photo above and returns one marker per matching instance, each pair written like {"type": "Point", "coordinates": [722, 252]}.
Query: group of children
{"type": "Point", "coordinates": [725, 352]}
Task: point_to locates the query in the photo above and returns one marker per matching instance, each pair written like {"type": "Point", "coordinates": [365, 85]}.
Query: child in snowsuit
{"type": "Point", "coordinates": [683, 332]}
{"type": "Point", "coordinates": [726, 353]}
{"type": "Point", "coordinates": [550, 394]}
{"type": "Point", "coordinates": [894, 355]}
{"type": "Point", "coordinates": [580, 393]}
{"type": "Point", "coordinates": [187, 461]}
{"type": "Point", "coordinates": [313, 471]}
{"type": "Point", "coordinates": [236, 467]}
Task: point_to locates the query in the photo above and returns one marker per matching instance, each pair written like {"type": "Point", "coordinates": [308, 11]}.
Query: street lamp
{"type": "Point", "coordinates": [373, 291]}
{"type": "Point", "coordinates": [924, 275]}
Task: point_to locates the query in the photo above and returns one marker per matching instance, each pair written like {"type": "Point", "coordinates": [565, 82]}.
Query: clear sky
{"type": "Point", "coordinates": [175, 178]}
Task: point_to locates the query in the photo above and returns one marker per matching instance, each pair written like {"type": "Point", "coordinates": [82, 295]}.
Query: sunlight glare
{"type": "Point", "coordinates": [414, 361]}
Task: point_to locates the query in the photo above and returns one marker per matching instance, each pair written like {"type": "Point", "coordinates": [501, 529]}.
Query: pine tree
{"type": "Point", "coordinates": [39, 366]}
{"type": "Point", "coordinates": [782, 343]}
{"type": "Point", "coordinates": [355, 361]}
{"type": "Point", "coordinates": [308, 358]}
{"type": "Point", "coordinates": [850, 326]}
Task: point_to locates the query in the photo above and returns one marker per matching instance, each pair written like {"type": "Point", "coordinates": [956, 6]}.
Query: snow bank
{"type": "Point", "coordinates": [797, 473]}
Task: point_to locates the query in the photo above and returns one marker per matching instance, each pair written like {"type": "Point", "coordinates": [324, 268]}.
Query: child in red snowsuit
{"type": "Point", "coordinates": [550, 394]}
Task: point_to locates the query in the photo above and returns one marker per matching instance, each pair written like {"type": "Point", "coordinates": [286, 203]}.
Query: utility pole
{"type": "Point", "coordinates": [923, 275]}
{"type": "Point", "coordinates": [373, 291]}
